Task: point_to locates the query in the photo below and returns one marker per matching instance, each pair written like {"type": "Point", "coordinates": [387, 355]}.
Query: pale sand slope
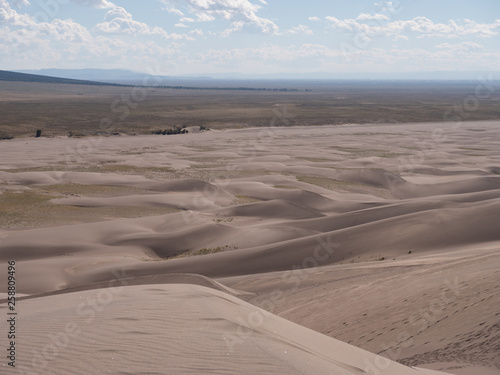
{"type": "Point", "coordinates": [433, 308]}
{"type": "Point", "coordinates": [177, 329]}
{"type": "Point", "coordinates": [275, 200]}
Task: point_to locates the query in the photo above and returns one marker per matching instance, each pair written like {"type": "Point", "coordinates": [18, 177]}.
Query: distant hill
{"type": "Point", "coordinates": [24, 77]}
{"type": "Point", "coordinates": [176, 83]}
{"type": "Point", "coordinates": [119, 76]}
{"type": "Point", "coordinates": [103, 75]}
{"type": "Point", "coordinates": [185, 82]}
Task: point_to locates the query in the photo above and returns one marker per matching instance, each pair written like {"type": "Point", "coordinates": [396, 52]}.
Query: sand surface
{"type": "Point", "coordinates": [378, 244]}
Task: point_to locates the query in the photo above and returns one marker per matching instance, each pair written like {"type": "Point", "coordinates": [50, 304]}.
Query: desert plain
{"type": "Point", "coordinates": [346, 249]}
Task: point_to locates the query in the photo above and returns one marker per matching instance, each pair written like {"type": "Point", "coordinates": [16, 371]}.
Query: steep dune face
{"type": "Point", "coordinates": [337, 219]}
{"type": "Point", "coordinates": [178, 329]}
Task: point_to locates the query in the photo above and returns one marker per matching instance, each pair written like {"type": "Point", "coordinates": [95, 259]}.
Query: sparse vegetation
{"type": "Point", "coordinates": [228, 220]}
{"type": "Point", "coordinates": [184, 253]}
{"type": "Point", "coordinates": [327, 183]}
{"type": "Point", "coordinates": [4, 135]}
{"type": "Point", "coordinates": [33, 207]}
{"type": "Point", "coordinates": [90, 190]}
{"type": "Point", "coordinates": [172, 131]}
{"type": "Point", "coordinates": [314, 160]}
{"type": "Point", "coordinates": [211, 250]}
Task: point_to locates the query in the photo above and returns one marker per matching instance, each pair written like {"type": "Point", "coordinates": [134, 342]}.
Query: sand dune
{"type": "Point", "coordinates": [468, 185]}
{"type": "Point", "coordinates": [441, 307]}
{"type": "Point", "coordinates": [181, 329]}
{"type": "Point", "coordinates": [359, 235]}
{"type": "Point", "coordinates": [346, 230]}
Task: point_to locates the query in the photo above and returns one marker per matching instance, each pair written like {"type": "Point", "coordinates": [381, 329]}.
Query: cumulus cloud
{"type": "Point", "coordinates": [25, 38]}
{"type": "Point", "coordinates": [9, 16]}
{"type": "Point", "coordinates": [301, 29]}
{"type": "Point", "coordinates": [176, 12]}
{"type": "Point", "coordinates": [65, 30]}
{"type": "Point", "coordinates": [462, 47]}
{"type": "Point", "coordinates": [204, 17]}
{"type": "Point", "coordinates": [241, 13]}
{"type": "Point", "coordinates": [119, 21]}
{"type": "Point", "coordinates": [367, 16]}
{"type": "Point", "coordinates": [197, 32]}
{"type": "Point", "coordinates": [398, 38]}
{"type": "Point", "coordinates": [26, 26]}
{"type": "Point", "coordinates": [422, 26]}
{"type": "Point", "coordinates": [98, 4]}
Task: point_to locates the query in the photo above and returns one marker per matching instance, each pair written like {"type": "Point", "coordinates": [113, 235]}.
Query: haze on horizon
{"type": "Point", "coordinates": [252, 37]}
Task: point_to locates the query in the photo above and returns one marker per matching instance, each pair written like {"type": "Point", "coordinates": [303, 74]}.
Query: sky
{"type": "Point", "coordinates": [202, 37]}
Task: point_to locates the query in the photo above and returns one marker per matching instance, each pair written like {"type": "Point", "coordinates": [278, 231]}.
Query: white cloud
{"type": "Point", "coordinates": [65, 42]}
{"type": "Point", "coordinates": [301, 29]}
{"type": "Point", "coordinates": [197, 32]}
{"type": "Point", "coordinates": [27, 41]}
{"type": "Point", "coordinates": [348, 25]}
{"type": "Point", "coordinates": [98, 4]}
{"type": "Point", "coordinates": [367, 16]}
{"type": "Point", "coordinates": [176, 12]}
{"type": "Point", "coordinates": [397, 38]}
{"type": "Point", "coordinates": [28, 28]}
{"type": "Point", "coordinates": [65, 30]}
{"type": "Point", "coordinates": [119, 21]}
{"type": "Point", "coordinates": [461, 47]}
{"type": "Point", "coordinates": [204, 17]}
{"type": "Point", "coordinates": [422, 26]}
{"type": "Point", "coordinates": [9, 16]}
{"type": "Point", "coordinates": [235, 27]}
{"type": "Point", "coordinates": [242, 13]}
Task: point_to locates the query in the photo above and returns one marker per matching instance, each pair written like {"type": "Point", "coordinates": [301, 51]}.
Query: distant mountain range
{"type": "Point", "coordinates": [138, 78]}
{"type": "Point", "coordinates": [229, 81]}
